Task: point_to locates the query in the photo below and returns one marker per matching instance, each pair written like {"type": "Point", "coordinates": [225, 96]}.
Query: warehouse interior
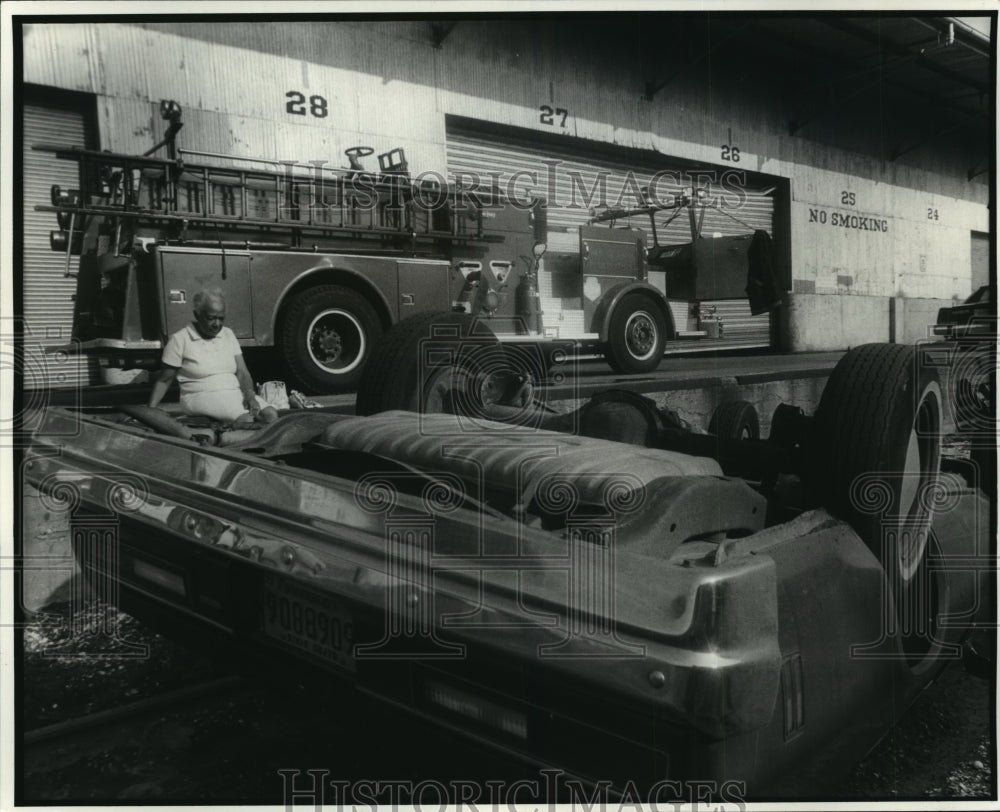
{"type": "Point", "coordinates": [864, 143]}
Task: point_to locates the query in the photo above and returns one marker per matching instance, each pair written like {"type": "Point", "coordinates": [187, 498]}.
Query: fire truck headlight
{"type": "Point", "coordinates": [61, 198]}
{"type": "Point", "coordinates": [58, 240]}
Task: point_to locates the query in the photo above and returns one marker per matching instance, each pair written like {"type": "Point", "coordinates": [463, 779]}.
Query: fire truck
{"type": "Point", "coordinates": [318, 262]}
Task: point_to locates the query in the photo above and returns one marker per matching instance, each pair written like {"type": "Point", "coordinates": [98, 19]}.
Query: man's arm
{"type": "Point", "coordinates": [162, 384]}
{"type": "Point", "coordinates": [246, 386]}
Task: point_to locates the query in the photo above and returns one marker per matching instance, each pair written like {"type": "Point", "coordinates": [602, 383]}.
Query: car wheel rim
{"type": "Point", "coordinates": [336, 341]}
{"type": "Point", "coordinates": [440, 390]}
{"type": "Point", "coordinates": [641, 335]}
{"type": "Point", "coordinates": [457, 390]}
{"type": "Point", "coordinates": [916, 496]}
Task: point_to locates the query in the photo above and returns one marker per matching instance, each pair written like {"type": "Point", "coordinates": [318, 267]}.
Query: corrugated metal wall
{"type": "Point", "coordinates": [386, 85]}
{"type": "Point", "coordinates": [575, 177]}
{"type": "Point", "coordinates": [375, 92]}
{"type": "Point", "coordinates": [565, 179]}
{"type": "Point", "coordinates": [48, 294]}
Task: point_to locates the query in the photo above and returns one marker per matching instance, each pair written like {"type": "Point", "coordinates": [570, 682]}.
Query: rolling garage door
{"type": "Point", "coordinates": [581, 181]}
{"type": "Point", "coordinates": [48, 293]}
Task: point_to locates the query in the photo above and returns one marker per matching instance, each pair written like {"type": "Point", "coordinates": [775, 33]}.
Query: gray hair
{"type": "Point", "coordinates": [203, 298]}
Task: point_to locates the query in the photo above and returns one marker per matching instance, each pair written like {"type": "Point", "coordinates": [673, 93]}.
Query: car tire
{"type": "Point", "coordinates": [985, 458]}
{"type": "Point", "coordinates": [973, 392]}
{"type": "Point", "coordinates": [637, 334]}
{"type": "Point", "coordinates": [876, 452]}
{"type": "Point", "coordinates": [326, 337]}
{"type": "Point", "coordinates": [414, 365]}
{"type": "Point", "coordinates": [735, 420]}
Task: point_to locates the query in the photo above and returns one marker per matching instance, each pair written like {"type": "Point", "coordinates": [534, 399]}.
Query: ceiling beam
{"type": "Point", "coordinates": [980, 168]}
{"type": "Point", "coordinates": [899, 153]}
{"type": "Point", "coordinates": [965, 36]}
{"type": "Point", "coordinates": [901, 50]}
{"type": "Point", "coordinates": [652, 87]}
{"type": "Point", "coordinates": [821, 59]}
{"type": "Point", "coordinates": [440, 32]}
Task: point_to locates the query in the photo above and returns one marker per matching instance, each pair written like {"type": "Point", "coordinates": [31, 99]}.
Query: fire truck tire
{"type": "Point", "coordinates": [735, 420]}
{"type": "Point", "coordinates": [876, 450]}
{"type": "Point", "coordinates": [415, 362]}
{"type": "Point", "coordinates": [326, 336]}
{"type": "Point", "coordinates": [637, 334]}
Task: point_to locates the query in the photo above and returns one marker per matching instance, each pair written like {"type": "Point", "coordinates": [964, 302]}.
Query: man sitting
{"type": "Point", "coordinates": [207, 362]}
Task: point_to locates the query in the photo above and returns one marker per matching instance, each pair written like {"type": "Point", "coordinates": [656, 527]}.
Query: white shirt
{"type": "Point", "coordinates": [204, 364]}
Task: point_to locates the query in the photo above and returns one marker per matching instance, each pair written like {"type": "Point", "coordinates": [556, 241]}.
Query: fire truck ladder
{"type": "Point", "coordinates": [289, 200]}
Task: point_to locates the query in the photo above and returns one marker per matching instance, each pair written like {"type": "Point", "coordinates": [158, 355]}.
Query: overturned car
{"type": "Point", "coordinates": [603, 590]}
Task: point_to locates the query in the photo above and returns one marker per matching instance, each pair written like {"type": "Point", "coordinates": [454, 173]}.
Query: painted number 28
{"type": "Point", "coordinates": [296, 104]}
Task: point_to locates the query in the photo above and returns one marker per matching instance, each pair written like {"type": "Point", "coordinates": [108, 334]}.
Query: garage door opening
{"type": "Point", "coordinates": [581, 179]}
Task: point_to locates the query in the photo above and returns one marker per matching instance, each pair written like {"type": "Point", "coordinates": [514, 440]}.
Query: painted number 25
{"type": "Point", "coordinates": [296, 104]}
{"type": "Point", "coordinates": [549, 114]}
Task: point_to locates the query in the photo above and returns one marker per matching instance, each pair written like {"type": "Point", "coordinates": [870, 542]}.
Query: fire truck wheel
{"type": "Point", "coordinates": [431, 362]}
{"type": "Point", "coordinates": [875, 452]}
{"type": "Point", "coordinates": [636, 335]}
{"type": "Point", "coordinates": [326, 336]}
{"type": "Point", "coordinates": [735, 420]}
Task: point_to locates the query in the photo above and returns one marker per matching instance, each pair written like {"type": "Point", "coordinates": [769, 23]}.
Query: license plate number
{"type": "Point", "coordinates": [320, 627]}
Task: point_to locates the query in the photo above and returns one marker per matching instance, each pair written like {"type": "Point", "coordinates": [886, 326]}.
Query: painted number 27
{"type": "Point", "coordinates": [549, 114]}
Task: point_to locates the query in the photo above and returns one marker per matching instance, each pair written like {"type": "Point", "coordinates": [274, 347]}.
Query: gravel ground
{"type": "Point", "coordinates": [66, 678]}
{"type": "Point", "coordinates": [940, 749]}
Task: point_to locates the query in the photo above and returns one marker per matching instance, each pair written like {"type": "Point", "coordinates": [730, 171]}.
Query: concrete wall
{"type": "Point", "coordinates": [50, 574]}
{"type": "Point", "coordinates": [892, 241]}
{"type": "Point", "coordinates": [815, 322]}
{"type": "Point", "coordinates": [915, 317]}
{"type": "Point", "coordinates": [862, 229]}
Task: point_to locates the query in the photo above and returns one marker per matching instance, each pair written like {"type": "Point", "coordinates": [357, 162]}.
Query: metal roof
{"type": "Point", "coordinates": [924, 81]}
{"type": "Point", "coordinates": [924, 85]}
{"type": "Point", "coordinates": [937, 58]}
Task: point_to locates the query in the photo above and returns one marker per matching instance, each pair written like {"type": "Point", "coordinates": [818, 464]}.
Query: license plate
{"type": "Point", "coordinates": [319, 626]}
